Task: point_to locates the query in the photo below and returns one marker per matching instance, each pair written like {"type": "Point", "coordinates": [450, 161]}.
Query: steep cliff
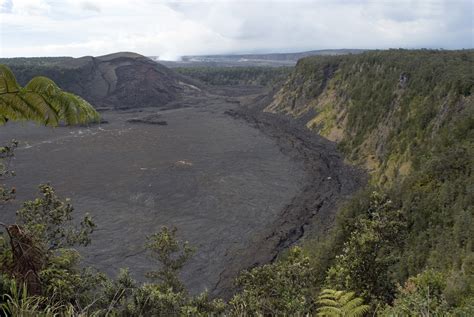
{"type": "Point", "coordinates": [408, 116]}
{"type": "Point", "coordinates": [384, 108]}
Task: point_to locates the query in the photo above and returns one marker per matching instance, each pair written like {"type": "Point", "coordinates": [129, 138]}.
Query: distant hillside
{"type": "Point", "coordinates": [408, 117]}
{"type": "Point", "coordinates": [246, 60]}
{"type": "Point", "coordinates": [232, 76]}
{"type": "Point", "coordinates": [120, 80]}
{"type": "Point", "coordinates": [381, 106]}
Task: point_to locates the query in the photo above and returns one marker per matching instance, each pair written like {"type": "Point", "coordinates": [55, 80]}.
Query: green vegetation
{"type": "Point", "coordinates": [285, 288]}
{"type": "Point", "coordinates": [37, 254]}
{"type": "Point", "coordinates": [408, 116]}
{"type": "Point", "coordinates": [391, 105]}
{"type": "Point", "coordinates": [34, 61]}
{"type": "Point", "coordinates": [259, 76]}
{"type": "Point", "coordinates": [340, 303]}
{"type": "Point", "coordinates": [41, 100]}
{"type": "Point", "coordinates": [40, 275]}
{"type": "Point", "coordinates": [6, 155]}
{"type": "Point", "coordinates": [40, 272]}
{"type": "Point", "coordinates": [402, 246]}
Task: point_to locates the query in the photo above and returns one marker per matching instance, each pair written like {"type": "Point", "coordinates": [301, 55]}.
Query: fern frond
{"type": "Point", "coordinates": [330, 311]}
{"type": "Point", "coordinates": [8, 83]}
{"type": "Point", "coordinates": [328, 302]}
{"type": "Point", "coordinates": [358, 311]}
{"type": "Point", "coordinates": [41, 100]}
{"type": "Point", "coordinates": [353, 303]}
{"type": "Point", "coordinates": [41, 109]}
{"type": "Point", "coordinates": [346, 297]}
{"type": "Point", "coordinates": [340, 303]}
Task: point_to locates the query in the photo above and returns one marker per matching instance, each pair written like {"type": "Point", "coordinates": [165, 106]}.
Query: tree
{"type": "Point", "coordinates": [41, 100]}
{"type": "Point", "coordinates": [171, 254]}
{"type": "Point", "coordinates": [368, 255]}
{"type": "Point", "coordinates": [340, 304]}
{"type": "Point", "coordinates": [6, 154]}
{"type": "Point", "coordinates": [283, 288]}
{"type": "Point", "coordinates": [167, 295]}
{"type": "Point", "coordinates": [37, 252]}
{"type": "Point", "coordinates": [49, 220]}
{"type": "Point", "coordinates": [421, 296]}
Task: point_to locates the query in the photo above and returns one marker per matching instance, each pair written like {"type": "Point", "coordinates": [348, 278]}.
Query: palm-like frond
{"type": "Point", "coordinates": [346, 297]}
{"type": "Point", "coordinates": [329, 311]}
{"type": "Point", "coordinates": [358, 311]}
{"type": "Point", "coordinates": [328, 302]}
{"type": "Point", "coordinates": [339, 303]}
{"type": "Point", "coordinates": [41, 100]}
{"type": "Point", "coordinates": [8, 83]}
{"type": "Point", "coordinates": [355, 302]}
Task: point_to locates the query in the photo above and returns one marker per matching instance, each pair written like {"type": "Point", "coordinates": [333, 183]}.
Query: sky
{"type": "Point", "coordinates": [173, 28]}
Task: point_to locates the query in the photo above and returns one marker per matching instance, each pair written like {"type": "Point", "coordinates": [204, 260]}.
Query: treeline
{"type": "Point", "coordinates": [25, 68]}
{"type": "Point", "coordinates": [34, 61]}
{"type": "Point", "coordinates": [259, 76]}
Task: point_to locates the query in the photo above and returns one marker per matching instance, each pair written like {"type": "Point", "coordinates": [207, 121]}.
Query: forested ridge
{"type": "Point", "coordinates": [402, 246]}
{"type": "Point", "coordinates": [255, 75]}
{"type": "Point", "coordinates": [407, 117]}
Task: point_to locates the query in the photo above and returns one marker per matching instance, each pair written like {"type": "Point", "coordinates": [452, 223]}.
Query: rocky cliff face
{"type": "Point", "coordinates": [120, 80]}
{"type": "Point", "coordinates": [383, 108]}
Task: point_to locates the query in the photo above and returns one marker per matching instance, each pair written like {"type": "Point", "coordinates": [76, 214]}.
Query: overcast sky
{"type": "Point", "coordinates": [171, 28]}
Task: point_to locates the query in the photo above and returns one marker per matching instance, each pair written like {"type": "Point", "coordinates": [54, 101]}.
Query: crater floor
{"type": "Point", "coordinates": [219, 180]}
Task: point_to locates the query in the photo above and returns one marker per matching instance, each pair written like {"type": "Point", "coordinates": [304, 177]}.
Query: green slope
{"type": "Point", "coordinates": [408, 117]}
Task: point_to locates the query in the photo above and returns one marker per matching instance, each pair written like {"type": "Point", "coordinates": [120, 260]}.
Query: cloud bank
{"type": "Point", "coordinates": [172, 28]}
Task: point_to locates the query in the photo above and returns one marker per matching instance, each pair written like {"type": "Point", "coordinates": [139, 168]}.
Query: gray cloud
{"type": "Point", "coordinates": [172, 28]}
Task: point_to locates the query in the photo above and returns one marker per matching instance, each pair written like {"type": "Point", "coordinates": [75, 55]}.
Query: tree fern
{"type": "Point", "coordinates": [335, 303]}
{"type": "Point", "coordinates": [41, 100]}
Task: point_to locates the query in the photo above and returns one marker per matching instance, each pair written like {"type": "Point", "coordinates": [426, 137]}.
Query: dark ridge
{"type": "Point", "coordinates": [121, 80]}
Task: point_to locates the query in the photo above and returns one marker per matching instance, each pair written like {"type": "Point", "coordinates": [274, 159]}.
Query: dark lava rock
{"type": "Point", "coordinates": [150, 119]}
{"type": "Point", "coordinates": [121, 80]}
